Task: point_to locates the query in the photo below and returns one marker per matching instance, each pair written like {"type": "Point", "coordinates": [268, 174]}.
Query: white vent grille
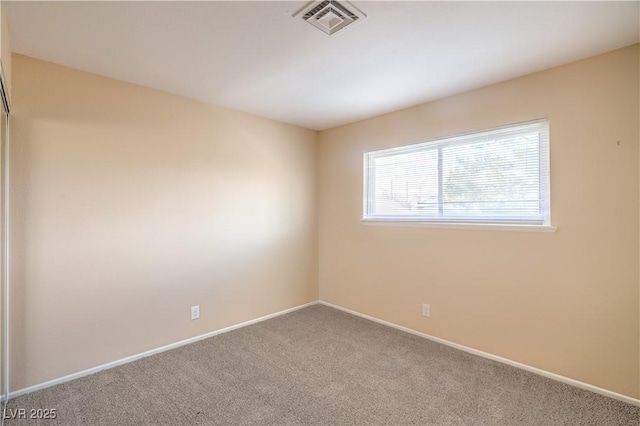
{"type": "Point", "coordinates": [330, 16]}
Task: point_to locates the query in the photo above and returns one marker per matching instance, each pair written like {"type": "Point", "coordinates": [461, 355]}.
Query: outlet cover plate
{"type": "Point", "coordinates": [195, 312]}
{"type": "Point", "coordinates": [426, 310]}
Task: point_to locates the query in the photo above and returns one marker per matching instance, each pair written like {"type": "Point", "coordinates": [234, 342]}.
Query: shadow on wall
{"type": "Point", "coordinates": [130, 205]}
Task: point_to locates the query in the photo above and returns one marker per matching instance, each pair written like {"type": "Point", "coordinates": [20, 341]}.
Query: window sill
{"type": "Point", "coordinates": [468, 226]}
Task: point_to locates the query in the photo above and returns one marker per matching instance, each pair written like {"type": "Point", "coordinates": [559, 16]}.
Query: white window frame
{"type": "Point", "coordinates": [498, 223]}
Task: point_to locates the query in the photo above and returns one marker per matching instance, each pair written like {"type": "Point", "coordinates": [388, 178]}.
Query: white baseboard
{"type": "Point", "coordinates": [487, 355]}
{"type": "Point", "coordinates": [559, 378]}
{"type": "Point", "coordinates": [150, 352]}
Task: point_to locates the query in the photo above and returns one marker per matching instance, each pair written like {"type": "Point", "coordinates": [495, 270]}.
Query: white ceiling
{"type": "Point", "coordinates": [254, 57]}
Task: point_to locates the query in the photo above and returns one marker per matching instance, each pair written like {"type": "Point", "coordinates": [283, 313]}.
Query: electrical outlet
{"type": "Point", "coordinates": [195, 312]}
{"type": "Point", "coordinates": [426, 310]}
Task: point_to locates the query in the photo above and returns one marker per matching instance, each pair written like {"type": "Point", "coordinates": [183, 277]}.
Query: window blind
{"type": "Point", "coordinates": [493, 176]}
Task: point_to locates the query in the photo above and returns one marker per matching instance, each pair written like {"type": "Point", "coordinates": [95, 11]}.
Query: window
{"type": "Point", "coordinates": [498, 176]}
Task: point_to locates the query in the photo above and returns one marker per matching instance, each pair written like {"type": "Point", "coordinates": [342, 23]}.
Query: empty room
{"type": "Point", "coordinates": [320, 213]}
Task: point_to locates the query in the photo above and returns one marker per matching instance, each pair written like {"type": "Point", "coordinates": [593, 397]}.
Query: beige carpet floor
{"type": "Point", "coordinates": [322, 366]}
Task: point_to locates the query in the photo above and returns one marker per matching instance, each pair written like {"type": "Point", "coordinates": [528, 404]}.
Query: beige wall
{"type": "Point", "coordinates": [129, 205]}
{"type": "Point", "coordinates": [566, 302]}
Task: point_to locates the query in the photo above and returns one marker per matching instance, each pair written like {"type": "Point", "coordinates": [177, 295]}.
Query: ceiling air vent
{"type": "Point", "coordinates": [330, 16]}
